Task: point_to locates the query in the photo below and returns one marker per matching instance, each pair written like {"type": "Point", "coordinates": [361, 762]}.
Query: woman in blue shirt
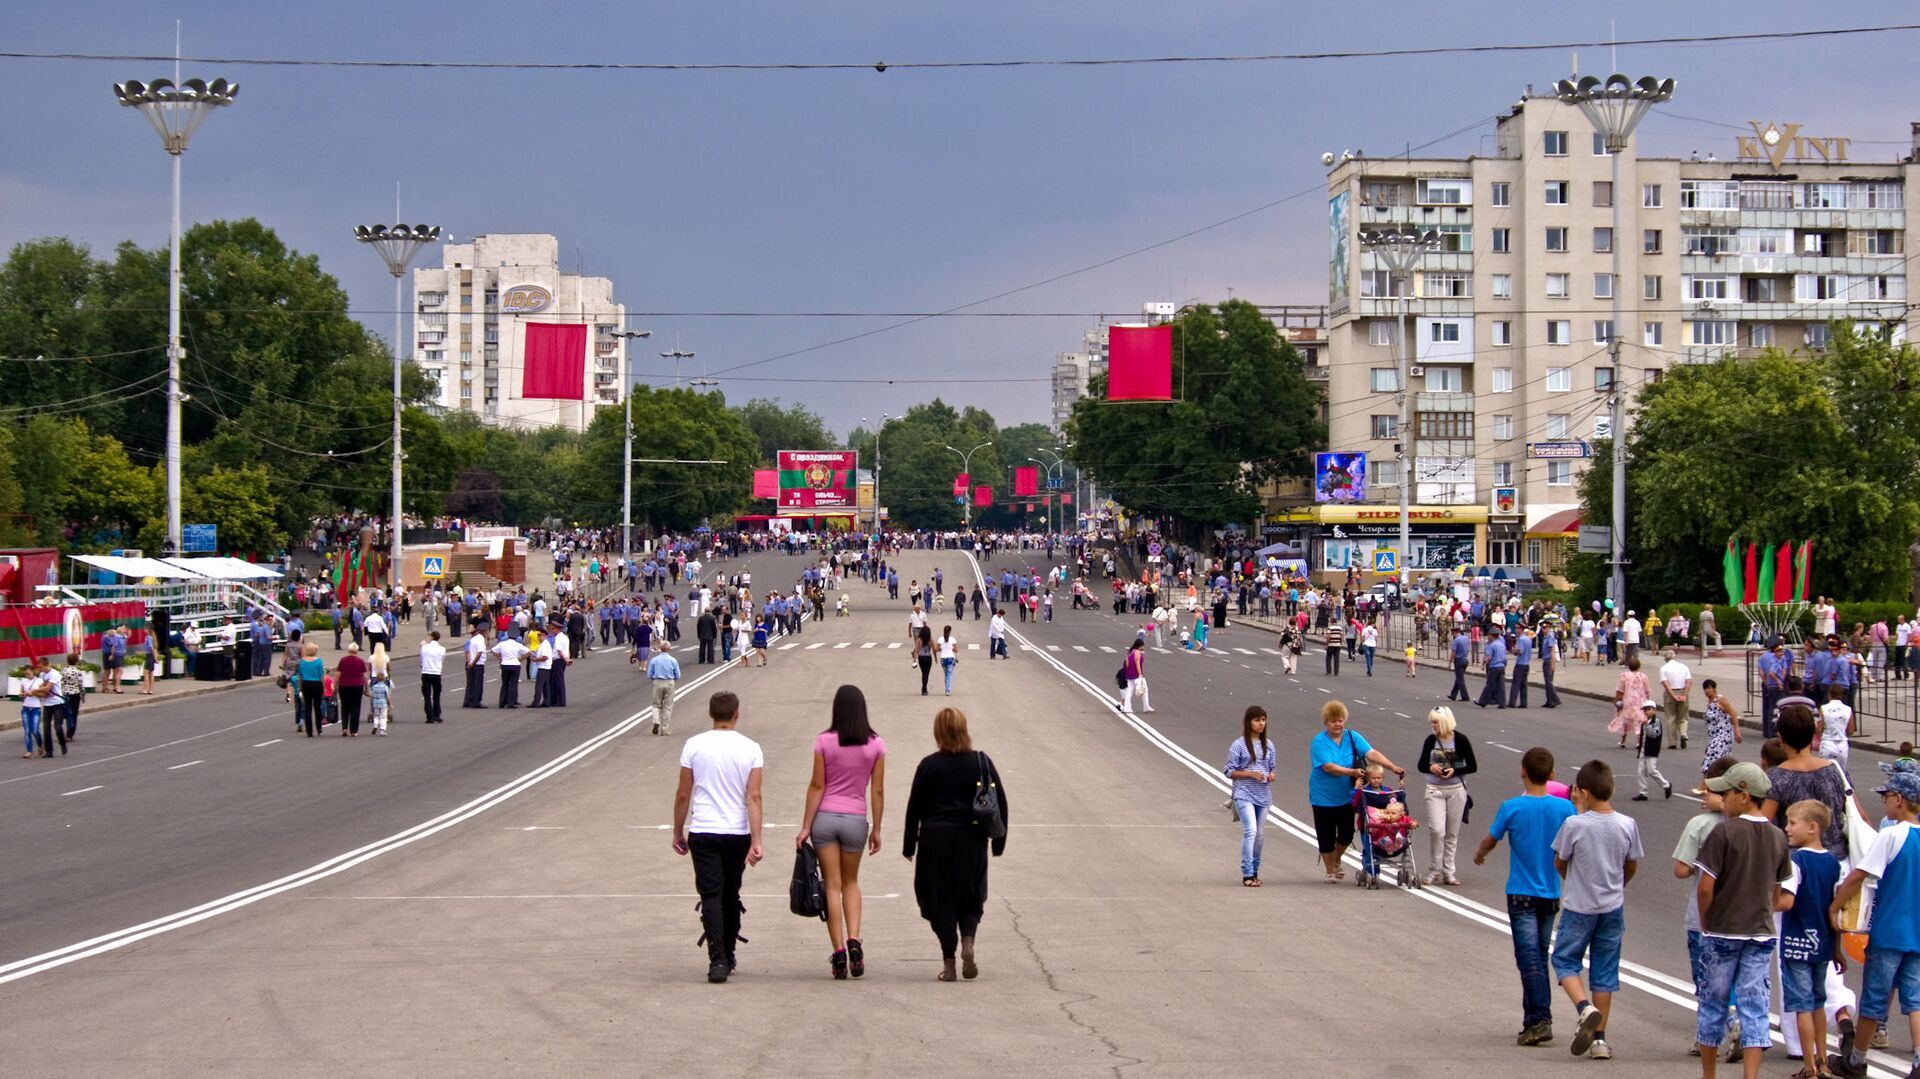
{"type": "Point", "coordinates": [1250, 766]}
{"type": "Point", "coordinates": [1338, 760]}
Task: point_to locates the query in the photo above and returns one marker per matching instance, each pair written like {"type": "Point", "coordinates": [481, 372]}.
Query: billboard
{"type": "Point", "coordinates": [817, 479]}
{"type": "Point", "coordinates": [1339, 252]}
{"type": "Point", "coordinates": [1339, 477]}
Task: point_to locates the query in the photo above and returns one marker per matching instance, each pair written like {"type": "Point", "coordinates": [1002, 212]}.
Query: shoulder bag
{"type": "Point", "coordinates": [986, 803]}
{"type": "Point", "coordinates": [807, 894]}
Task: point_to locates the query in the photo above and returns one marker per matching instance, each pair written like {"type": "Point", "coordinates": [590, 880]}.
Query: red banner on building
{"type": "Point", "coordinates": [1140, 363]}
{"type": "Point", "coordinates": [55, 631]}
{"type": "Point", "coordinates": [983, 495]}
{"type": "Point", "coordinates": [817, 479]}
{"type": "Point", "coordinates": [554, 361]}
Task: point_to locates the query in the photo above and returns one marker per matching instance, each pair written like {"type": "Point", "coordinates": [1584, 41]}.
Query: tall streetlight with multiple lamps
{"type": "Point", "coordinates": [396, 246]}
{"type": "Point", "coordinates": [1401, 250]}
{"type": "Point", "coordinates": [676, 355]}
{"type": "Point", "coordinates": [966, 466]}
{"type": "Point", "coordinates": [626, 453]}
{"type": "Point", "coordinates": [876, 465]}
{"type": "Point", "coordinates": [1615, 106]}
{"type": "Point", "coordinates": [176, 110]}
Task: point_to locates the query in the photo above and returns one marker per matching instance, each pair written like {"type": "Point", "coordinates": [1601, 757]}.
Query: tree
{"type": "Point", "coordinates": [919, 468]}
{"type": "Point", "coordinates": [86, 491]}
{"type": "Point", "coordinates": [1247, 415]}
{"type": "Point", "coordinates": [795, 427]}
{"type": "Point", "coordinates": [677, 425]}
{"type": "Point", "coordinates": [476, 496]}
{"type": "Point", "coordinates": [238, 502]}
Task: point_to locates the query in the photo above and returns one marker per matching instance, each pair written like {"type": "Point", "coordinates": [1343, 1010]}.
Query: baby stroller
{"type": "Point", "coordinates": [1385, 821]}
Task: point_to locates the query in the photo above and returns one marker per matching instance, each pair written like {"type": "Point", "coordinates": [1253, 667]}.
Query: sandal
{"type": "Point", "coordinates": [1332, 879]}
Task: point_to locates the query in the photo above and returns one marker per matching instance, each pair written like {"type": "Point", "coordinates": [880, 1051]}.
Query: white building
{"type": "Point", "coordinates": [469, 329]}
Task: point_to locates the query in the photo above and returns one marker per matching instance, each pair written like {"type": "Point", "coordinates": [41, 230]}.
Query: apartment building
{"type": "Point", "coordinates": [469, 329]}
{"type": "Point", "coordinates": [1765, 243]}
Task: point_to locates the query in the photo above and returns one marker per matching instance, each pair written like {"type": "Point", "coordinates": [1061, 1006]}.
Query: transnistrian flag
{"type": "Point", "coordinates": [1730, 572]}
{"type": "Point", "coordinates": [554, 361]}
{"type": "Point", "coordinates": [1140, 363]}
{"type": "Point", "coordinates": [1768, 564]}
{"type": "Point", "coordinates": [1783, 574]}
{"type": "Point", "coordinates": [1752, 594]}
{"type": "Point", "coordinates": [1803, 575]}
{"type": "Point", "coordinates": [766, 483]}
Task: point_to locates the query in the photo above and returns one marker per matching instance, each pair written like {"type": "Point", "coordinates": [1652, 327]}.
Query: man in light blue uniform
{"type": "Point", "coordinates": [1773, 667]}
{"type": "Point", "coordinates": [1458, 650]}
{"type": "Point", "coordinates": [1496, 673]}
{"type": "Point", "coordinates": [1522, 659]}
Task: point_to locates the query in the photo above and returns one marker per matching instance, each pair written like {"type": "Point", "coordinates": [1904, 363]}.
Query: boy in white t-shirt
{"type": "Point", "coordinates": [716, 819]}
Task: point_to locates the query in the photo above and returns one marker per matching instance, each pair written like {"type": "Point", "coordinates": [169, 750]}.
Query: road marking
{"type": "Point", "coordinates": [973, 648]}
{"type": "Point", "coordinates": [1324, 689]}
{"type": "Point", "coordinates": [1162, 651]}
{"type": "Point", "coordinates": [869, 644]}
{"type": "Point", "coordinates": [844, 644]}
{"type": "Point", "coordinates": [893, 644]}
{"type": "Point", "coordinates": [1292, 679]}
{"type": "Point", "coordinates": [1508, 748]}
{"type": "Point", "coordinates": [1247, 666]}
{"type": "Point", "coordinates": [537, 828]}
{"type": "Point", "coordinates": [189, 764]}
{"type": "Point", "coordinates": [1106, 648]}
{"type": "Point", "coordinates": [268, 742]}
{"type": "Point", "coordinates": [1403, 715]}
{"type": "Point", "coordinates": [1246, 651]}
{"type": "Point", "coordinates": [1050, 648]}
{"type": "Point", "coordinates": [789, 644]}
{"type": "Point", "coordinates": [83, 790]}
{"type": "Point", "coordinates": [1080, 648]}
{"type": "Point", "coordinates": [1271, 651]}
{"type": "Point", "coordinates": [816, 644]}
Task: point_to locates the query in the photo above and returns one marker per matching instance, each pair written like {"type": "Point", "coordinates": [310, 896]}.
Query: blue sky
{"type": "Point", "coordinates": [859, 191]}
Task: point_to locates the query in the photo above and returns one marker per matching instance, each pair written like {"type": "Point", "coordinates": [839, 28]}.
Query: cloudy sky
{"type": "Point", "coordinates": [856, 191]}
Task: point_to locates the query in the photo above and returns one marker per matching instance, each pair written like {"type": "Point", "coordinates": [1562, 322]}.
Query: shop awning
{"type": "Point", "coordinates": [136, 568]}
{"type": "Point", "coordinates": [1563, 523]}
{"type": "Point", "coordinates": [222, 568]}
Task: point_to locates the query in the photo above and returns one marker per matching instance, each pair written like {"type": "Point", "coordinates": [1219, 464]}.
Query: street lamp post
{"type": "Point", "coordinates": [876, 466]}
{"type": "Point", "coordinates": [396, 247]}
{"type": "Point", "coordinates": [676, 355]}
{"type": "Point", "coordinates": [1615, 106]}
{"type": "Point", "coordinates": [1401, 250]}
{"type": "Point", "coordinates": [626, 453]}
{"type": "Point", "coordinates": [175, 111]}
{"type": "Point", "coordinates": [1059, 466]}
{"type": "Point", "coordinates": [966, 466]}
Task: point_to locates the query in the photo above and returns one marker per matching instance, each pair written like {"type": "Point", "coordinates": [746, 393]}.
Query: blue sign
{"type": "Point", "coordinates": [433, 567]}
{"type": "Point", "coordinates": [199, 539]}
{"type": "Point", "coordinates": [1384, 562]}
{"type": "Point", "coordinates": [1056, 482]}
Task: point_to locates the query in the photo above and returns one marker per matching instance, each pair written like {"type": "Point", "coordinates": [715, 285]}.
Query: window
{"type": "Point", "coordinates": [1764, 289]}
{"type": "Point", "coordinates": [1380, 332]}
{"type": "Point", "coordinates": [1555, 144]}
{"type": "Point", "coordinates": [1443, 379]}
{"type": "Point", "coordinates": [1559, 473]}
{"type": "Point", "coordinates": [1443, 192]}
{"type": "Point", "coordinates": [1559, 379]}
{"type": "Point", "coordinates": [1442, 332]}
{"type": "Point", "coordinates": [1602, 240]}
{"type": "Point", "coordinates": [1377, 193]}
{"type": "Point", "coordinates": [1709, 194]}
{"type": "Point", "coordinates": [1455, 237]}
{"type": "Point", "coordinates": [1502, 381]}
{"type": "Point", "coordinates": [1503, 473]}
{"type": "Point", "coordinates": [1556, 238]}
{"type": "Point", "coordinates": [1385, 473]}
{"type": "Point", "coordinates": [1384, 379]}
{"type": "Point", "coordinates": [1603, 286]}
{"type": "Point", "coordinates": [1556, 192]}
{"type": "Point", "coordinates": [1602, 192]}
{"type": "Point", "coordinates": [1818, 334]}
{"type": "Point", "coordinates": [1500, 194]}
{"type": "Point", "coordinates": [1502, 241]}
{"type": "Point", "coordinates": [1502, 428]}
{"type": "Point", "coordinates": [1875, 242]}
{"type": "Point", "coordinates": [1704, 332]}
{"type": "Point", "coordinates": [1709, 239]}
{"type": "Point", "coordinates": [1559, 332]}
{"type": "Point", "coordinates": [1761, 336]}
{"type": "Point", "coordinates": [1386, 426]}
{"type": "Point", "coordinates": [1823, 196]}
{"type": "Point", "coordinates": [1599, 145]}
{"type": "Point", "coordinates": [1431, 425]}
{"type": "Point", "coordinates": [1650, 287]}
{"type": "Point", "coordinates": [1602, 331]}
{"type": "Point", "coordinates": [1650, 241]}
{"type": "Point", "coordinates": [1502, 333]}
{"type": "Point", "coordinates": [1819, 286]}
{"type": "Point", "coordinates": [1706, 286]}
{"type": "Point", "coordinates": [1377, 283]}
{"type": "Point", "coordinates": [1652, 334]}
{"type": "Point", "coordinates": [1446, 285]}
{"type": "Point", "coordinates": [1558, 423]}
{"type": "Point", "coordinates": [1603, 380]}
{"type": "Point", "coordinates": [1879, 195]}
{"type": "Point", "coordinates": [1650, 196]}
{"type": "Point", "coordinates": [1557, 286]}
{"type": "Point", "coordinates": [1503, 286]}
{"type": "Point", "coordinates": [435, 355]}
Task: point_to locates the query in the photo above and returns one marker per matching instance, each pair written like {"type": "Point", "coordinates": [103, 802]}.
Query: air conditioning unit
{"type": "Point", "coordinates": [1416, 371]}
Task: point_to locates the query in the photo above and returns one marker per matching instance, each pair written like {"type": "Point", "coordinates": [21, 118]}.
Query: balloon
{"type": "Point", "coordinates": [1609, 605]}
{"type": "Point", "coordinates": [1596, 606]}
{"type": "Point", "coordinates": [1855, 947]}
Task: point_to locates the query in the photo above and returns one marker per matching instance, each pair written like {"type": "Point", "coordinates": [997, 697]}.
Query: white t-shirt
{"type": "Point", "coordinates": [945, 645]}
{"type": "Point", "coordinates": [1630, 631]}
{"type": "Point", "coordinates": [510, 651]}
{"type": "Point", "coordinates": [1885, 847]}
{"type": "Point", "coordinates": [721, 761]}
{"type": "Point", "coordinates": [916, 619]}
{"type": "Point", "coordinates": [997, 627]}
{"type": "Point", "coordinates": [375, 623]}
{"type": "Point", "coordinates": [432, 654]}
{"type": "Point", "coordinates": [1675, 676]}
{"type": "Point", "coordinates": [476, 651]}
{"type": "Point", "coordinates": [1823, 618]}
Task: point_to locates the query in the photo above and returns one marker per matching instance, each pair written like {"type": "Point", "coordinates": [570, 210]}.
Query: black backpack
{"type": "Point", "coordinates": [807, 894]}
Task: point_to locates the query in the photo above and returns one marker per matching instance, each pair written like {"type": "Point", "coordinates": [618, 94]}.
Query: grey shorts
{"type": "Point", "coordinates": [847, 829]}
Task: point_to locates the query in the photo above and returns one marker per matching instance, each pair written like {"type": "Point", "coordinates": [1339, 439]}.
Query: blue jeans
{"type": "Point", "coordinates": [1369, 651]}
{"type": "Point", "coordinates": [996, 647]}
{"type": "Point", "coordinates": [30, 726]}
{"type": "Point", "coordinates": [946, 669]}
{"type": "Point", "coordinates": [1532, 921]}
{"type": "Point", "coordinates": [1603, 932]}
{"type": "Point", "coordinates": [1803, 986]}
{"type": "Point", "coordinates": [1888, 970]}
{"type": "Point", "coordinates": [1253, 835]}
{"type": "Point", "coordinates": [1736, 972]}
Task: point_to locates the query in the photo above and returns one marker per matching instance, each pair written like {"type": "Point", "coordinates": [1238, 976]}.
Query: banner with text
{"type": "Point", "coordinates": [818, 479]}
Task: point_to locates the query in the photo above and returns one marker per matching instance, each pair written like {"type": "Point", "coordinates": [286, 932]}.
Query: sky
{"type": "Point", "coordinates": [860, 191]}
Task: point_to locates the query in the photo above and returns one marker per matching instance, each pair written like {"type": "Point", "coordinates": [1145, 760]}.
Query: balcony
{"type": "Point", "coordinates": [1317, 373]}
{"type": "Point", "coordinates": [1384, 307]}
{"type": "Point", "coordinates": [1443, 402]}
{"type": "Point", "coordinates": [1416, 215]}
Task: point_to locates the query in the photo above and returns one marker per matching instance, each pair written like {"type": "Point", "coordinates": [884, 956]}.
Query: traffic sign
{"type": "Point", "coordinates": [433, 567]}
{"type": "Point", "coordinates": [1595, 539]}
{"type": "Point", "coordinates": [1384, 562]}
{"type": "Point", "coordinates": [199, 539]}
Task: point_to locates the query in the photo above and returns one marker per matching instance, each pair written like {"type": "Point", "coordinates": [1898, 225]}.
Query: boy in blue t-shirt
{"type": "Point", "coordinates": [1806, 941]}
{"type": "Point", "coordinates": [1893, 941]}
{"type": "Point", "coordinates": [1533, 887]}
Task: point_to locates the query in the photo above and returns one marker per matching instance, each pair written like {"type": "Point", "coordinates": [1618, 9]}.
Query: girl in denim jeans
{"type": "Point", "coordinates": [1250, 766]}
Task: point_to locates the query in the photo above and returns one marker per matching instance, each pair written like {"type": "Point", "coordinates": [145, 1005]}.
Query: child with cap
{"type": "Point", "coordinates": [1651, 732]}
{"type": "Point", "coordinates": [1742, 863]}
{"type": "Point", "coordinates": [1684, 854]}
{"type": "Point", "coordinates": [1893, 941]}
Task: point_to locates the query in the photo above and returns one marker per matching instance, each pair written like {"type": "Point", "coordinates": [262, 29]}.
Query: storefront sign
{"type": "Point", "coordinates": [1558, 451]}
{"type": "Point", "coordinates": [1459, 515]}
{"type": "Point", "coordinates": [1777, 144]}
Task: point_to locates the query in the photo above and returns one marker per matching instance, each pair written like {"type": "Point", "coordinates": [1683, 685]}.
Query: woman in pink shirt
{"type": "Point", "coordinates": [848, 758]}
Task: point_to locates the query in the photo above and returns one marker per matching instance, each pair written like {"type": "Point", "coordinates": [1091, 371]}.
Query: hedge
{"type": "Point", "coordinates": [1734, 625]}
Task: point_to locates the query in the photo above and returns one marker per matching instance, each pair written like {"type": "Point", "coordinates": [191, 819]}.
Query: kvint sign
{"type": "Point", "coordinates": [1777, 145]}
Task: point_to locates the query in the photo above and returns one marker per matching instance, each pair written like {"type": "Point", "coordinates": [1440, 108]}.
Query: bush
{"type": "Point", "coordinates": [1734, 625]}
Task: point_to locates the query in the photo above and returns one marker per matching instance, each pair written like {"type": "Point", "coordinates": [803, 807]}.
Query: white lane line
{"type": "Point", "coordinates": [1106, 648]}
{"type": "Point", "coordinates": [893, 644]}
{"type": "Point", "coordinates": [869, 644]}
{"type": "Point", "coordinates": [1080, 648]}
{"type": "Point", "coordinates": [189, 764]}
{"type": "Point", "coordinates": [1246, 651]}
{"type": "Point", "coordinates": [340, 863]}
{"type": "Point", "coordinates": [816, 644]}
{"type": "Point", "coordinates": [1249, 666]}
{"type": "Point", "coordinates": [1403, 715]}
{"type": "Point", "coordinates": [1162, 651]}
{"type": "Point", "coordinates": [844, 644]}
{"type": "Point", "coordinates": [279, 715]}
{"type": "Point", "coordinates": [1271, 651]}
{"type": "Point", "coordinates": [268, 742]}
{"type": "Point", "coordinates": [789, 644]}
{"type": "Point", "coordinates": [83, 790]}
{"type": "Point", "coordinates": [1292, 679]}
{"type": "Point", "coordinates": [1324, 689]}
{"type": "Point", "coordinates": [1050, 648]}
{"type": "Point", "coordinates": [1508, 748]}
{"type": "Point", "coordinates": [973, 648]}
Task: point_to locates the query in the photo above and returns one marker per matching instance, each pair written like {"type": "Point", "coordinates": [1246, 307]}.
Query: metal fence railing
{"type": "Point", "coordinates": [1886, 709]}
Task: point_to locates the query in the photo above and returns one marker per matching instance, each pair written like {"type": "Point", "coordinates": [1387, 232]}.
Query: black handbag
{"type": "Point", "coordinates": [1120, 678]}
{"type": "Point", "coordinates": [986, 804]}
{"type": "Point", "coordinates": [807, 894]}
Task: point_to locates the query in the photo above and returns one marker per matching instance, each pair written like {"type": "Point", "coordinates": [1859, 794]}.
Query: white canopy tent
{"type": "Point", "coordinates": [137, 569]}
{"type": "Point", "coordinates": [222, 568]}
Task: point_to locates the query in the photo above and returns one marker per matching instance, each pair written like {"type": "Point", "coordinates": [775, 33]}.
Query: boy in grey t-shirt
{"type": "Point", "coordinates": [1596, 854]}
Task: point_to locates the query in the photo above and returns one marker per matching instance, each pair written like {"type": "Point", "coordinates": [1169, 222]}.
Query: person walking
{"type": "Point", "coordinates": [1458, 652]}
{"type": "Point", "coordinates": [1134, 670]}
{"type": "Point", "coordinates": [1494, 689]}
{"type": "Point", "coordinates": [1629, 693]}
{"type": "Point", "coordinates": [1336, 642]}
{"type": "Point", "coordinates": [1548, 648]}
{"type": "Point", "coordinates": [511, 655]}
{"type": "Point", "coordinates": [1723, 725]}
{"type": "Point", "coordinates": [950, 872]}
{"type": "Point", "coordinates": [1600, 850]}
{"type": "Point", "coordinates": [1530, 822]}
{"type": "Point", "coordinates": [73, 688]}
{"type": "Point", "coordinates": [309, 683]}
{"type": "Point", "coordinates": [1648, 763]}
{"type": "Point", "coordinates": [948, 654]}
{"type": "Point", "coordinates": [1523, 648]}
{"type": "Point", "coordinates": [717, 822]}
{"type": "Point", "coordinates": [663, 679]}
{"type": "Point", "coordinates": [707, 629]}
{"type": "Point", "coordinates": [1337, 760]}
{"type": "Point", "coordinates": [849, 769]}
{"type": "Point", "coordinates": [1446, 759]}
{"type": "Point", "coordinates": [350, 682]}
{"type": "Point", "coordinates": [1250, 765]}
{"type": "Point", "coordinates": [557, 670]}
{"type": "Point", "coordinates": [433, 655]}
{"type": "Point", "coordinates": [1676, 682]}
{"type": "Point", "coordinates": [1369, 643]}
{"type": "Point", "coordinates": [476, 667]}
{"type": "Point", "coordinates": [923, 655]}
{"type": "Point", "coordinates": [997, 635]}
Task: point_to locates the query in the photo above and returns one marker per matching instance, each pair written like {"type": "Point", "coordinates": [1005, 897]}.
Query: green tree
{"type": "Point", "coordinates": [17, 525]}
{"type": "Point", "coordinates": [918, 467]}
{"type": "Point", "coordinates": [45, 286]}
{"type": "Point", "coordinates": [795, 427]}
{"type": "Point", "coordinates": [1246, 415]}
{"type": "Point", "coordinates": [238, 502]}
{"type": "Point", "coordinates": [670, 424]}
{"type": "Point", "coordinates": [86, 491]}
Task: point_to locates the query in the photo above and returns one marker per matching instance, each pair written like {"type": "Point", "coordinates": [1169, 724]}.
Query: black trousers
{"type": "Point", "coordinates": [719, 861]}
{"type": "Point", "coordinates": [557, 685]}
{"type": "Point", "coordinates": [311, 716]}
{"type": "Point", "coordinates": [509, 685]}
{"type": "Point", "coordinates": [1493, 692]}
{"type": "Point", "coordinates": [476, 688]}
{"type": "Point", "coordinates": [430, 696]}
{"type": "Point", "coordinates": [1769, 701]}
{"type": "Point", "coordinates": [350, 697]}
{"type": "Point", "coordinates": [1517, 689]}
{"type": "Point", "coordinates": [706, 650]}
{"type": "Point", "coordinates": [542, 687]}
{"type": "Point", "coordinates": [1459, 691]}
{"type": "Point", "coordinates": [1546, 676]}
{"type": "Point", "coordinates": [1333, 659]}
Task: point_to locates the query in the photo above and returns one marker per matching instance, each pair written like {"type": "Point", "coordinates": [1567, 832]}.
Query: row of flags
{"type": "Point", "coordinates": [1765, 574]}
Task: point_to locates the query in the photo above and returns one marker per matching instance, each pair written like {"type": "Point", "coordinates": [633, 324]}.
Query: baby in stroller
{"type": "Point", "coordinates": [1385, 823]}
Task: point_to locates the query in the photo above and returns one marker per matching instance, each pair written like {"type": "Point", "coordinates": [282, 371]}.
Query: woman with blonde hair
{"type": "Point", "coordinates": [378, 660]}
{"type": "Point", "coordinates": [1446, 759]}
{"type": "Point", "coordinates": [950, 874]}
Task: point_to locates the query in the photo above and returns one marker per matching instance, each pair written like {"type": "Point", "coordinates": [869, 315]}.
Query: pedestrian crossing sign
{"type": "Point", "coordinates": [1383, 562]}
{"type": "Point", "coordinates": [433, 567]}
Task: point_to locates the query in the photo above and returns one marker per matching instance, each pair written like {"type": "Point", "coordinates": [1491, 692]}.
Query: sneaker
{"type": "Point", "coordinates": [1538, 1034]}
{"type": "Point", "coordinates": [1842, 1066]}
{"type": "Point", "coordinates": [1879, 1038]}
{"type": "Point", "coordinates": [1590, 1020]}
{"type": "Point", "coordinates": [1639, 797]}
{"type": "Point", "coordinates": [1600, 1050]}
{"type": "Point", "coordinates": [1669, 787]}
{"type": "Point", "coordinates": [717, 971]}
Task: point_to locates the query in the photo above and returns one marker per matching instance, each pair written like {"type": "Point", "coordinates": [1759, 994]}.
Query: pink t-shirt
{"type": "Point", "coordinates": [847, 770]}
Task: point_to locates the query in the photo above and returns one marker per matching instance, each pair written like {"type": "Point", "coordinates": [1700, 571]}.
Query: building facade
{"type": "Point", "coordinates": [1509, 322]}
{"type": "Point", "coordinates": [469, 329]}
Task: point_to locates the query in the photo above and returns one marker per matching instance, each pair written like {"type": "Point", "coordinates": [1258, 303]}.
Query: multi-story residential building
{"type": "Point", "coordinates": [1073, 373]}
{"type": "Point", "coordinates": [1511, 317]}
{"type": "Point", "coordinates": [469, 329]}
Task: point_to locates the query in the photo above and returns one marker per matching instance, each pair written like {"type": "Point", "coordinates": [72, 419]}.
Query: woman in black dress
{"type": "Point", "coordinates": [950, 875]}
